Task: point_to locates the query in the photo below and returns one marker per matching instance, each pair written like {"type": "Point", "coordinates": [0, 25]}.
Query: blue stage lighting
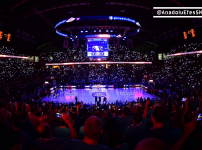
{"type": "Point", "coordinates": [86, 31]}
{"type": "Point", "coordinates": [59, 23]}
{"type": "Point", "coordinates": [88, 18]}
{"type": "Point", "coordinates": [62, 34]}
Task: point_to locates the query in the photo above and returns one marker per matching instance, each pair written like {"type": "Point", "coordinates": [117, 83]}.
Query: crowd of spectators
{"type": "Point", "coordinates": [121, 53]}
{"type": "Point", "coordinates": [99, 74]}
{"type": "Point", "coordinates": [165, 124]}
{"type": "Point", "coordinates": [180, 74]}
{"type": "Point", "coordinates": [29, 123]}
{"type": "Point", "coordinates": [14, 68]}
{"type": "Point", "coordinates": [177, 74]}
{"type": "Point", "coordinates": [18, 76]}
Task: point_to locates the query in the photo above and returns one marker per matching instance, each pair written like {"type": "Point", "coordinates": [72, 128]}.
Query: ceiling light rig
{"type": "Point", "coordinates": [90, 18]}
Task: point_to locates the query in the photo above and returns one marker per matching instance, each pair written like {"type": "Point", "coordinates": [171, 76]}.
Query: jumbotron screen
{"type": "Point", "coordinates": [97, 47]}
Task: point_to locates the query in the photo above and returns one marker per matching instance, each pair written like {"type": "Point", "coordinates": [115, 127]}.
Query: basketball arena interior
{"type": "Point", "coordinates": [100, 75]}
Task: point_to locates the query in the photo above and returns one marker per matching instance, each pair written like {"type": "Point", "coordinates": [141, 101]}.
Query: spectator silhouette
{"type": "Point", "coordinates": [93, 130]}
{"type": "Point", "coordinates": [159, 130]}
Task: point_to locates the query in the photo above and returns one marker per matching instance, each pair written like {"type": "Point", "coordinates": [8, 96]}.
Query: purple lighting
{"type": "Point", "coordinates": [104, 62]}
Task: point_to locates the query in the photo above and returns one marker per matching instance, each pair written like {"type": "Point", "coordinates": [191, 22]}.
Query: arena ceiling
{"type": "Point", "coordinates": [40, 17]}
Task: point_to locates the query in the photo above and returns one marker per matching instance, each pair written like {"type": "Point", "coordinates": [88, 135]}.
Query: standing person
{"type": "Point", "coordinates": [27, 126]}
{"type": "Point", "coordinates": [159, 130]}
{"type": "Point", "coordinates": [134, 131]}
{"type": "Point", "coordinates": [70, 90]}
{"type": "Point", "coordinates": [76, 99]}
{"type": "Point", "coordinates": [33, 118]}
{"type": "Point", "coordinates": [61, 131]}
{"type": "Point", "coordinates": [123, 122]}
{"type": "Point", "coordinates": [25, 138]}
{"type": "Point", "coordinates": [99, 100]}
{"type": "Point", "coordinates": [56, 92]}
{"type": "Point", "coordinates": [47, 141]}
{"type": "Point", "coordinates": [93, 130]}
{"type": "Point", "coordinates": [95, 100]}
{"type": "Point", "coordinates": [105, 100]}
{"type": "Point", "coordinates": [115, 140]}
